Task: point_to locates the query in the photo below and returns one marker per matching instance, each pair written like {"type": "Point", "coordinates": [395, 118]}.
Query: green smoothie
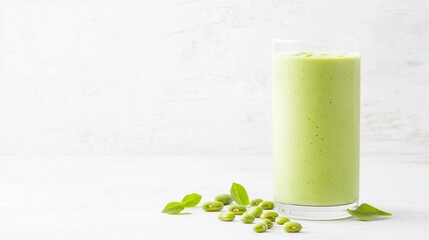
{"type": "Point", "coordinates": [316, 112]}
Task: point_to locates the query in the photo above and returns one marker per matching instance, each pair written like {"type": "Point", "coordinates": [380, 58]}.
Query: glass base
{"type": "Point", "coordinates": [314, 212]}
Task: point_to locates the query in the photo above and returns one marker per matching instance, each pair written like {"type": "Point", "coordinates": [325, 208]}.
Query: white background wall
{"type": "Point", "coordinates": [193, 77]}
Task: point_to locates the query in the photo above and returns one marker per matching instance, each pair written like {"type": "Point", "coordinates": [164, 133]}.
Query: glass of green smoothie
{"type": "Point", "coordinates": [316, 115]}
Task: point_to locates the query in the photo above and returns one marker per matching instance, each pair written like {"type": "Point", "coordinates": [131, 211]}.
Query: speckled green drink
{"type": "Point", "coordinates": [316, 112]}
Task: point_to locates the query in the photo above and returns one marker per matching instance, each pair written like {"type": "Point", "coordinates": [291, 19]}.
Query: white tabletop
{"type": "Point", "coordinates": [121, 197]}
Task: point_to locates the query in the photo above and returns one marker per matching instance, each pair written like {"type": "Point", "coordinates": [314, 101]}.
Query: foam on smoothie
{"type": "Point", "coordinates": [319, 54]}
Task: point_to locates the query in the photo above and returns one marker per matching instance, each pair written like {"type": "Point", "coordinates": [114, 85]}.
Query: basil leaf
{"type": "Point", "coordinates": [239, 194]}
{"type": "Point", "coordinates": [367, 212]}
{"type": "Point", "coordinates": [173, 208]}
{"type": "Point", "coordinates": [191, 200]}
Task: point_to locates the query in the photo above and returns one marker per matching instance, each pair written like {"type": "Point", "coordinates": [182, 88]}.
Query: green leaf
{"type": "Point", "coordinates": [367, 212]}
{"type": "Point", "coordinates": [173, 208]}
{"type": "Point", "coordinates": [191, 200]}
{"type": "Point", "coordinates": [239, 194]}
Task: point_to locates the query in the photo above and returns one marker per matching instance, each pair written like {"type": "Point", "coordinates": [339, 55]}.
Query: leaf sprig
{"type": "Point", "coordinates": [239, 194]}
{"type": "Point", "coordinates": [190, 200]}
{"type": "Point", "coordinates": [367, 212]}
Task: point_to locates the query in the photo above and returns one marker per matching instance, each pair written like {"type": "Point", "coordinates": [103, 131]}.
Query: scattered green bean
{"type": "Point", "coordinates": [226, 217]}
{"type": "Point", "coordinates": [255, 211]}
{"type": "Point", "coordinates": [269, 215]}
{"type": "Point", "coordinates": [225, 199]}
{"type": "Point", "coordinates": [266, 205]}
{"type": "Point", "coordinates": [280, 220]}
{"type": "Point", "coordinates": [269, 223]}
{"type": "Point", "coordinates": [255, 202]}
{"type": "Point", "coordinates": [248, 218]}
{"type": "Point", "coordinates": [260, 227]}
{"type": "Point", "coordinates": [237, 210]}
{"type": "Point", "coordinates": [212, 206]}
{"type": "Point", "coordinates": [292, 227]}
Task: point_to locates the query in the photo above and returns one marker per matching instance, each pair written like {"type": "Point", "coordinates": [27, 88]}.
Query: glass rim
{"type": "Point", "coordinates": [296, 40]}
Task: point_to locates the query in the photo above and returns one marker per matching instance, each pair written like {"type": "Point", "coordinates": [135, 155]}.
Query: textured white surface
{"type": "Point", "coordinates": [43, 198]}
{"type": "Point", "coordinates": [193, 77]}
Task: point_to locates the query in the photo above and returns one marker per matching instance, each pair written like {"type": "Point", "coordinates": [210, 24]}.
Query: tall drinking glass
{"type": "Point", "coordinates": [316, 115]}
